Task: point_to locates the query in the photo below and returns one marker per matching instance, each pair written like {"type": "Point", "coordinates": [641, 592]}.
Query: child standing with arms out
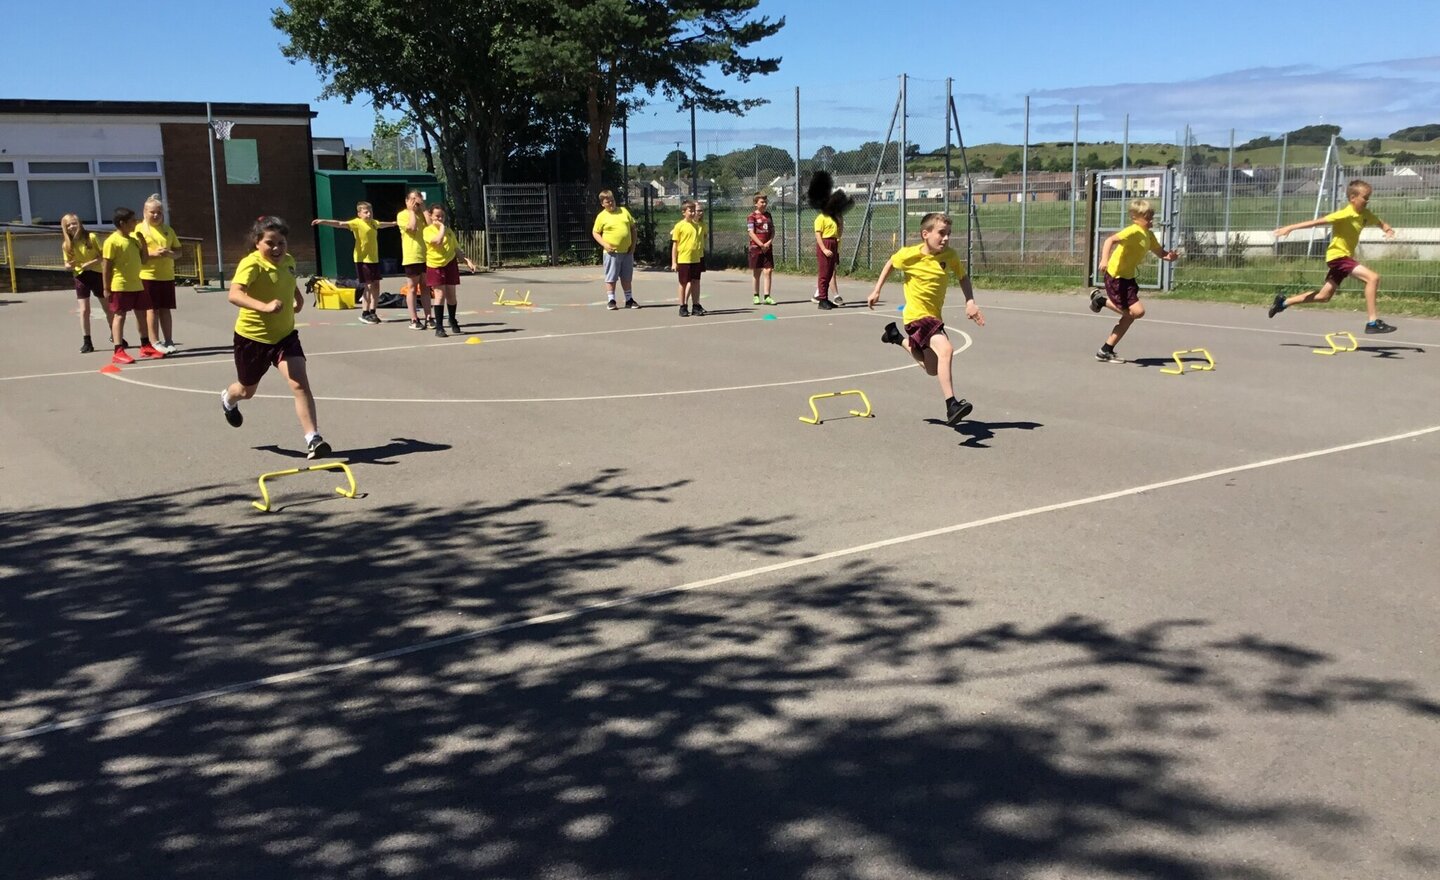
{"type": "Point", "coordinates": [412, 257]}
{"type": "Point", "coordinates": [81, 250]}
{"type": "Point", "coordinates": [121, 258]}
{"type": "Point", "coordinates": [265, 291]}
{"type": "Point", "coordinates": [760, 227]}
{"type": "Point", "coordinates": [162, 246]}
{"type": "Point", "coordinates": [366, 229]}
{"type": "Point", "coordinates": [927, 267]}
{"type": "Point", "coordinates": [614, 231]}
{"type": "Point", "coordinates": [442, 269]}
{"type": "Point", "coordinates": [687, 257]}
{"type": "Point", "coordinates": [1345, 226]}
{"type": "Point", "coordinates": [1120, 257]}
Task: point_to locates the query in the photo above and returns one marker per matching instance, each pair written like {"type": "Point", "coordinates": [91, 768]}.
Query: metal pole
{"type": "Point", "coordinates": [1280, 190]}
{"type": "Point", "coordinates": [694, 164]}
{"type": "Point", "coordinates": [1229, 188]}
{"type": "Point", "coordinates": [1024, 176]}
{"type": "Point", "coordinates": [625, 159]}
{"type": "Point", "coordinates": [969, 191]}
{"type": "Point", "coordinates": [798, 214]}
{"type": "Point", "coordinates": [1125, 169]}
{"type": "Point", "coordinates": [904, 141]}
{"type": "Point", "coordinates": [1074, 175]}
{"type": "Point", "coordinates": [678, 154]}
{"type": "Point", "coordinates": [214, 195]}
{"type": "Point", "coordinates": [948, 99]}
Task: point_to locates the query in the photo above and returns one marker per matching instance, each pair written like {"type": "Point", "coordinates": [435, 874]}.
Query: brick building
{"type": "Point", "coordinates": [90, 157]}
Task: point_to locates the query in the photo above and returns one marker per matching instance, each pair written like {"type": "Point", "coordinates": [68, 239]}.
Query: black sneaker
{"type": "Point", "coordinates": [455, 328]}
{"type": "Point", "coordinates": [440, 332]}
{"type": "Point", "coordinates": [85, 346]}
{"type": "Point", "coordinates": [631, 304]}
{"type": "Point", "coordinates": [1097, 300]}
{"type": "Point", "coordinates": [612, 305]}
{"type": "Point", "coordinates": [698, 311]}
{"type": "Point", "coordinates": [684, 312]}
{"type": "Point", "coordinates": [892, 334]}
{"type": "Point", "coordinates": [1277, 305]}
{"type": "Point", "coordinates": [317, 448]}
{"type": "Point", "coordinates": [232, 415]}
{"type": "Point", "coordinates": [1379, 326]}
{"type": "Point", "coordinates": [824, 305]}
{"type": "Point", "coordinates": [1108, 357]}
{"type": "Point", "coordinates": [956, 411]}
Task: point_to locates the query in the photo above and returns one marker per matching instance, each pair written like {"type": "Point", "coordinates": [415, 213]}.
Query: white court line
{"type": "Point", "coordinates": [225, 356]}
{"type": "Point", "coordinates": [1149, 320]}
{"type": "Point", "coordinates": [691, 586]}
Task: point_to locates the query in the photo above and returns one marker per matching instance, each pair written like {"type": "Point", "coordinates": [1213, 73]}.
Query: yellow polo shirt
{"type": "Point", "coordinates": [440, 255]}
{"type": "Point", "coordinates": [367, 240]}
{"type": "Point", "coordinates": [83, 251]}
{"type": "Point", "coordinates": [266, 281]}
{"type": "Point", "coordinates": [412, 244]}
{"type": "Point", "coordinates": [156, 238]}
{"type": "Point", "coordinates": [1134, 242]}
{"type": "Point", "coordinates": [827, 227]}
{"type": "Point", "coordinates": [123, 252]}
{"type": "Point", "coordinates": [927, 277]}
{"type": "Point", "coordinates": [617, 228]}
{"type": "Point", "coordinates": [690, 240]}
{"type": "Point", "coordinates": [1345, 226]}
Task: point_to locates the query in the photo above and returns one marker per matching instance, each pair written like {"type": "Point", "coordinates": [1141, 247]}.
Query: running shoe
{"type": "Point", "coordinates": [824, 304]}
{"type": "Point", "coordinates": [1277, 305]}
{"type": "Point", "coordinates": [698, 311]}
{"type": "Point", "coordinates": [1379, 326]}
{"type": "Point", "coordinates": [1108, 357]}
{"type": "Point", "coordinates": [684, 312]}
{"type": "Point", "coordinates": [121, 356]}
{"type": "Point", "coordinates": [317, 448]}
{"type": "Point", "coordinates": [86, 346]}
{"type": "Point", "coordinates": [631, 304]}
{"type": "Point", "coordinates": [150, 351]}
{"type": "Point", "coordinates": [956, 411]}
{"type": "Point", "coordinates": [1097, 301]}
{"type": "Point", "coordinates": [612, 305]}
{"type": "Point", "coordinates": [892, 334]}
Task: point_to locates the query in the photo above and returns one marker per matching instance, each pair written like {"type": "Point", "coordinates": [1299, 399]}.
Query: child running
{"type": "Point", "coordinates": [1345, 226]}
{"type": "Point", "coordinates": [927, 267]}
{"type": "Point", "coordinates": [1120, 256]}
{"type": "Point", "coordinates": [442, 268]}
{"type": "Point", "coordinates": [121, 258]}
{"type": "Point", "coordinates": [614, 231]}
{"type": "Point", "coordinates": [411, 221]}
{"type": "Point", "coordinates": [81, 250]}
{"type": "Point", "coordinates": [366, 229]}
{"type": "Point", "coordinates": [687, 257]}
{"type": "Point", "coordinates": [162, 246]}
{"type": "Point", "coordinates": [760, 227]}
{"type": "Point", "coordinates": [265, 291]}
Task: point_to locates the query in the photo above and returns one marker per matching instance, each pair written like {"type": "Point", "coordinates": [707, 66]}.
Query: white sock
{"type": "Point", "coordinates": [311, 437]}
{"type": "Point", "coordinates": [225, 399]}
{"type": "Point", "coordinates": [610, 297]}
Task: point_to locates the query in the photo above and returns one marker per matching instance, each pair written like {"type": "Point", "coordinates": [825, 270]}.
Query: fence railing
{"type": "Point", "coordinates": [31, 258]}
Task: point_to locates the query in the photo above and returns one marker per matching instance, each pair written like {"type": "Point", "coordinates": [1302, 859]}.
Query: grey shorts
{"type": "Point", "coordinates": [619, 267]}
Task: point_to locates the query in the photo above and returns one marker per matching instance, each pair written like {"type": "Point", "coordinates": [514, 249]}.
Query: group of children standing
{"type": "Point", "coordinates": [132, 271]}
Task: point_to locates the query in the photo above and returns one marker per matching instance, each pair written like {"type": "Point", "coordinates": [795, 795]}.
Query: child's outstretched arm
{"type": "Point", "coordinates": [885, 271]}
{"type": "Point", "coordinates": [1167, 256]}
{"type": "Point", "coordinates": [335, 224]}
{"type": "Point", "coordinates": [385, 224]}
{"type": "Point", "coordinates": [1304, 224]}
{"type": "Point", "coordinates": [972, 311]}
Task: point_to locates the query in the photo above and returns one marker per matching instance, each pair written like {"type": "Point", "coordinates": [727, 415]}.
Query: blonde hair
{"type": "Point", "coordinates": [153, 199]}
{"type": "Point", "coordinates": [1357, 186]}
{"type": "Point", "coordinates": [606, 194]}
{"type": "Point", "coordinates": [68, 243]}
{"type": "Point", "coordinates": [933, 219]}
{"type": "Point", "coordinates": [758, 197]}
{"type": "Point", "coordinates": [1141, 208]}
{"type": "Point", "coordinates": [359, 205]}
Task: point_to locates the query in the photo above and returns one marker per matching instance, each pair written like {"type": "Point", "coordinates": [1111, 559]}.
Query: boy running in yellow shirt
{"type": "Point", "coordinates": [927, 267]}
{"type": "Point", "coordinates": [1345, 225]}
{"type": "Point", "coordinates": [1120, 257]}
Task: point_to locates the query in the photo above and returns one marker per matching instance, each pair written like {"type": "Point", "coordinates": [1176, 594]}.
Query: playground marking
{"type": "Point", "coordinates": [578, 611]}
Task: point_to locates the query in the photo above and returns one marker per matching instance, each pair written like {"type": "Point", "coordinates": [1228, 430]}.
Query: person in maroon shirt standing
{"type": "Point", "coordinates": [761, 227]}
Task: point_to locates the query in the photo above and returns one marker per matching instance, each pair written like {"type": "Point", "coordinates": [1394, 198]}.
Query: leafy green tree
{"type": "Point", "coordinates": [1314, 135]}
{"type": "Point", "coordinates": [1418, 133]}
{"type": "Point", "coordinates": [1372, 147]}
{"type": "Point", "coordinates": [614, 54]}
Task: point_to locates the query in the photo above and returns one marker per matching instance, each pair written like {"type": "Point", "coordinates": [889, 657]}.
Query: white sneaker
{"type": "Point", "coordinates": [167, 347]}
{"type": "Point", "coordinates": [815, 297]}
{"type": "Point", "coordinates": [837, 300]}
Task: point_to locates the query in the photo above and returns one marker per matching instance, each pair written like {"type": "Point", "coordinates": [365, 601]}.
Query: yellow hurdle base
{"type": "Point", "coordinates": [1336, 349]}
{"type": "Point", "coordinates": [263, 505]}
{"type": "Point", "coordinates": [1181, 366]}
{"type": "Point", "coordinates": [814, 418]}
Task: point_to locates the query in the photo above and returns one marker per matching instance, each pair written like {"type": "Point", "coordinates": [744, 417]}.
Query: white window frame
{"type": "Point", "coordinates": [23, 176]}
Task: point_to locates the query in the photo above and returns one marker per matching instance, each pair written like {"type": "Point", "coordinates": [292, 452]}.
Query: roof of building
{"type": "Point", "coordinates": [19, 106]}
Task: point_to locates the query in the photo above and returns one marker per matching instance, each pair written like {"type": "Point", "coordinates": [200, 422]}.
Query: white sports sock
{"type": "Point", "coordinates": [310, 437]}
{"type": "Point", "coordinates": [225, 399]}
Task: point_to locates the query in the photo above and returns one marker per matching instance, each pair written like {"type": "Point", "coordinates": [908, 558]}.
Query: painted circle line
{"type": "Point", "coordinates": [120, 377]}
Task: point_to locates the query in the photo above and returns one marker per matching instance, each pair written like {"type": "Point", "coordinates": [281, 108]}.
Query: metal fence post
{"type": "Point", "coordinates": [552, 202]}
{"type": "Point", "coordinates": [904, 143]}
{"type": "Point", "coordinates": [1280, 190]}
{"type": "Point", "coordinates": [798, 212]}
{"type": "Point", "coordinates": [1229, 190]}
{"type": "Point", "coordinates": [694, 159]}
{"type": "Point", "coordinates": [1024, 177]}
{"type": "Point", "coordinates": [947, 145]}
{"type": "Point", "coordinates": [1074, 175]}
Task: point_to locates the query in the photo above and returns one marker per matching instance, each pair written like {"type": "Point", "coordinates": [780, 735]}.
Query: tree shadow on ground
{"type": "Point", "coordinates": [840, 724]}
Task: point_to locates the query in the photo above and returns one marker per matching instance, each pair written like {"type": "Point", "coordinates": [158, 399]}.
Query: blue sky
{"type": "Point", "coordinates": [1261, 67]}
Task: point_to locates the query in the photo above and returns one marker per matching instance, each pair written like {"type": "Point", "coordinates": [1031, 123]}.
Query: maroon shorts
{"type": "Point", "coordinates": [1123, 292]}
{"type": "Point", "coordinates": [253, 359]}
{"type": "Point", "coordinates": [689, 272]}
{"type": "Point", "coordinates": [89, 283]}
{"type": "Point", "coordinates": [762, 259]}
{"type": "Point", "coordinates": [921, 330]}
{"type": "Point", "coordinates": [826, 266]}
{"type": "Point", "coordinates": [446, 274]}
{"type": "Point", "coordinates": [414, 271]}
{"type": "Point", "coordinates": [122, 301]}
{"type": "Point", "coordinates": [1340, 269]}
{"type": "Point", "coordinates": [162, 293]}
{"type": "Point", "coordinates": [368, 272]}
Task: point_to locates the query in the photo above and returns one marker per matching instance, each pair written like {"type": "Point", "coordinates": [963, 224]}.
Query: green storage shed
{"type": "Point", "coordinates": [337, 192]}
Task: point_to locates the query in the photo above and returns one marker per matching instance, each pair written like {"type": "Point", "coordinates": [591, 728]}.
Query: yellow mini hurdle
{"type": "Point", "coordinates": [1181, 365]}
{"type": "Point", "coordinates": [263, 505]}
{"type": "Point", "coordinates": [815, 419]}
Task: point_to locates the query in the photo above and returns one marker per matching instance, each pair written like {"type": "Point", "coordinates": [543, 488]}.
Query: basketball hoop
{"type": "Point", "coordinates": [222, 128]}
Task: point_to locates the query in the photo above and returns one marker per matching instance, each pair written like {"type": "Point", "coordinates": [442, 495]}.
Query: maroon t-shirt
{"type": "Point", "coordinates": [760, 223]}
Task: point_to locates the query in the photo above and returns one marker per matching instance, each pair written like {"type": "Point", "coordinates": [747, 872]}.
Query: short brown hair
{"type": "Point", "coordinates": [359, 205]}
{"type": "Point", "coordinates": [758, 197]}
{"type": "Point", "coordinates": [933, 219]}
{"type": "Point", "coordinates": [1357, 186]}
{"type": "Point", "coordinates": [606, 194]}
{"type": "Point", "coordinates": [1141, 208]}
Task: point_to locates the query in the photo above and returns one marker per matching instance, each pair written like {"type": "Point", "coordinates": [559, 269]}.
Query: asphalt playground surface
{"type": "Point", "coordinates": [605, 608]}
